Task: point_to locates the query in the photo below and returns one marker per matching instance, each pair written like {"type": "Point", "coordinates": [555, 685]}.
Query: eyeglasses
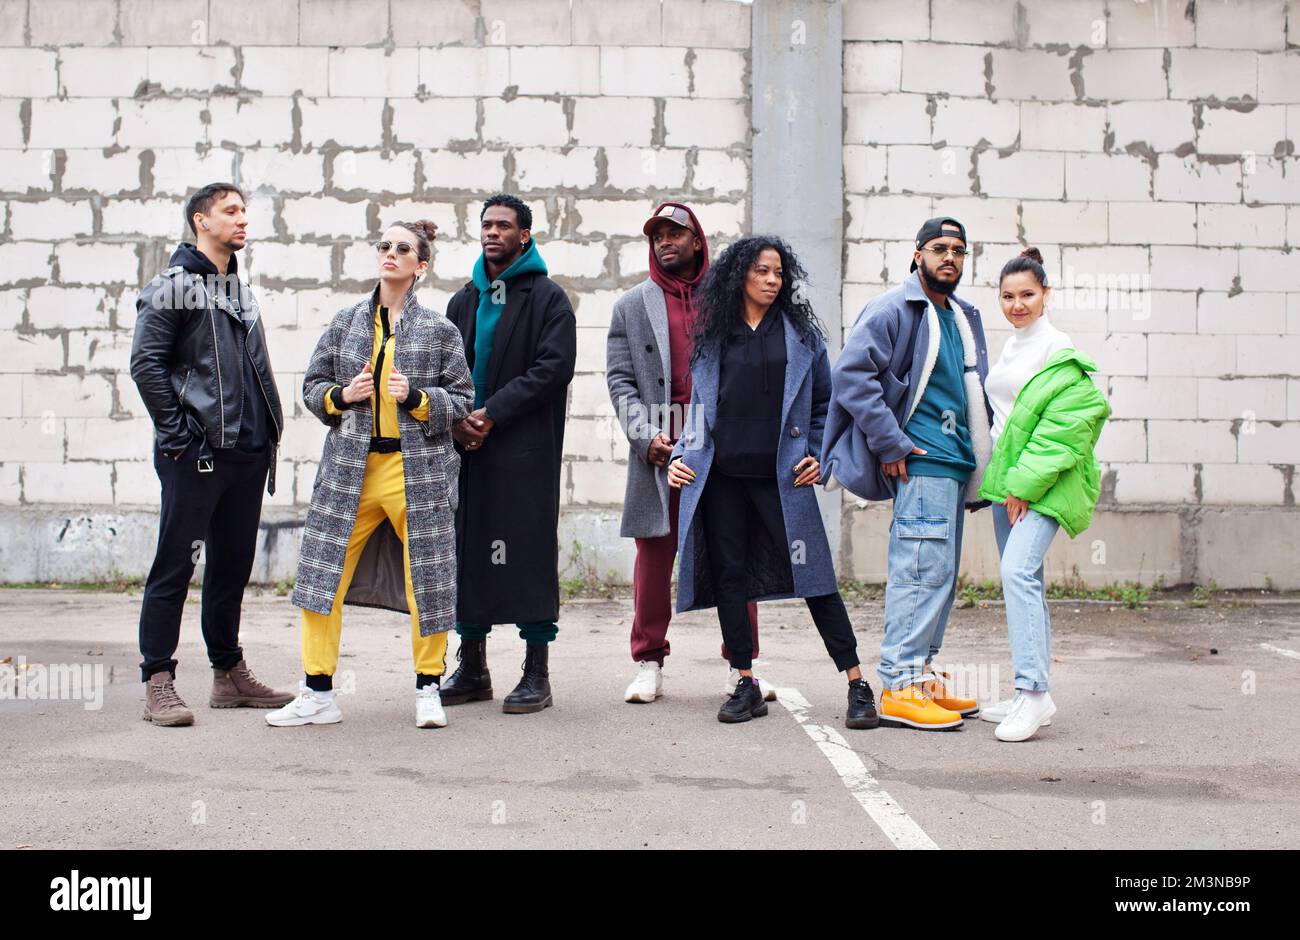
{"type": "Point", "coordinates": [941, 251]}
{"type": "Point", "coordinates": [403, 248]}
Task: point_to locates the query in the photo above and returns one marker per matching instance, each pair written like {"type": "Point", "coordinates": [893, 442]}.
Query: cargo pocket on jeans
{"type": "Point", "coordinates": [923, 544]}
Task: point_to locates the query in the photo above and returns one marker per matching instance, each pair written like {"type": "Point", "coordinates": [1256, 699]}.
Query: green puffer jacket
{"type": "Point", "coordinates": [1045, 452]}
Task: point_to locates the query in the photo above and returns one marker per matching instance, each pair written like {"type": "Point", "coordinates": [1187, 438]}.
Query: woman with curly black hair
{"type": "Point", "coordinates": [750, 527]}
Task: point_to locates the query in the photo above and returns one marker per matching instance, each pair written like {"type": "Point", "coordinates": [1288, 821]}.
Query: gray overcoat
{"type": "Point", "coordinates": [637, 370]}
{"type": "Point", "coordinates": [428, 351]}
{"type": "Point", "coordinates": [803, 417]}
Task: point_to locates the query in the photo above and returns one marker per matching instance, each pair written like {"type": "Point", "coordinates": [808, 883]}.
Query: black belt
{"type": "Point", "coordinates": [385, 445]}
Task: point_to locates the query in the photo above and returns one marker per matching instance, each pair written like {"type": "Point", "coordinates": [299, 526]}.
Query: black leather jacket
{"type": "Point", "coordinates": [185, 360]}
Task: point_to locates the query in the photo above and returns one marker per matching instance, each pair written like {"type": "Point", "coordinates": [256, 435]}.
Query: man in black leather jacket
{"type": "Point", "coordinates": [200, 362]}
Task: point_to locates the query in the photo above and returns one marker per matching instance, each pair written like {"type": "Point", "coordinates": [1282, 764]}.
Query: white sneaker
{"type": "Point", "coordinates": [648, 684]}
{"type": "Point", "coordinates": [998, 713]}
{"type": "Point", "coordinates": [309, 708]}
{"type": "Point", "coordinates": [1029, 713]}
{"type": "Point", "coordinates": [428, 708]}
{"type": "Point", "coordinates": [733, 677]}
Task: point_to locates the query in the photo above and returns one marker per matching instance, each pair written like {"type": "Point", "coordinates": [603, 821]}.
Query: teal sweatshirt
{"type": "Point", "coordinates": [491, 301]}
{"type": "Point", "coordinates": [939, 423]}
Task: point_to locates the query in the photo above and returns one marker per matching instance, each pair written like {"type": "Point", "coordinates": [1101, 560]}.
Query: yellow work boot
{"type": "Point", "coordinates": [940, 689]}
{"type": "Point", "coordinates": [910, 707]}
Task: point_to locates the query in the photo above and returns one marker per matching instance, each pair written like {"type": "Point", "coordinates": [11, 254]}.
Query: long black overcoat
{"type": "Point", "coordinates": [507, 548]}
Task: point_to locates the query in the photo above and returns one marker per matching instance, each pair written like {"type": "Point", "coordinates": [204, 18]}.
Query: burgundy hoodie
{"type": "Point", "coordinates": [680, 297]}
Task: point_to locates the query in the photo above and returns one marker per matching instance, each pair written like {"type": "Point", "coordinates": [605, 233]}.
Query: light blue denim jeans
{"type": "Point", "coordinates": [924, 551]}
{"type": "Point", "coordinates": [1029, 625]}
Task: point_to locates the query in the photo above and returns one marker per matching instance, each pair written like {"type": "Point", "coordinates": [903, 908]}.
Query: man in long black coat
{"type": "Point", "coordinates": [521, 343]}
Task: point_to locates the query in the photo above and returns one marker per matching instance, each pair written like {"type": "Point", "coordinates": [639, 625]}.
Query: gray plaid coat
{"type": "Point", "coordinates": [429, 352]}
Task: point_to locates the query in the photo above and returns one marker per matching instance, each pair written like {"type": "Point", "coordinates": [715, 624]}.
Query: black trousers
{"type": "Point", "coordinates": [736, 511]}
{"type": "Point", "coordinates": [217, 512]}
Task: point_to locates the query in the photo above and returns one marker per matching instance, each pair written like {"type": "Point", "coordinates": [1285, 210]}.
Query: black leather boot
{"type": "Point", "coordinates": [533, 693]}
{"type": "Point", "coordinates": [471, 682]}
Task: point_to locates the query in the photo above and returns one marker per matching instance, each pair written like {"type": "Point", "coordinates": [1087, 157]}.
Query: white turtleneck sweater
{"type": "Point", "coordinates": [1023, 357]}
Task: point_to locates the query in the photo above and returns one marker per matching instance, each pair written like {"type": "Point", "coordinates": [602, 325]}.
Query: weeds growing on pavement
{"type": "Point", "coordinates": [1202, 594]}
{"type": "Point", "coordinates": [586, 581]}
{"type": "Point", "coordinates": [115, 583]}
{"type": "Point", "coordinates": [860, 592]}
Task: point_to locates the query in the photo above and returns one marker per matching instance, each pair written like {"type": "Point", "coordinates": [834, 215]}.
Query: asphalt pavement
{"type": "Point", "coordinates": [1172, 732]}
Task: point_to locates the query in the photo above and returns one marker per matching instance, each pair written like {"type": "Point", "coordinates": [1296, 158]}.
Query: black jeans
{"type": "Point", "coordinates": [736, 511]}
{"type": "Point", "coordinates": [217, 512]}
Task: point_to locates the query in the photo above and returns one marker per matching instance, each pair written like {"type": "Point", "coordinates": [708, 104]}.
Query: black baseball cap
{"type": "Point", "coordinates": [933, 228]}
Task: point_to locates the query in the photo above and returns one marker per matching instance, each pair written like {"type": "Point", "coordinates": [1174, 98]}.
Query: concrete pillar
{"type": "Point", "coordinates": [798, 166]}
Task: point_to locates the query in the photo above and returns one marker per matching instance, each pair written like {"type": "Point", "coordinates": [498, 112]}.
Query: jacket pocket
{"type": "Point", "coordinates": [185, 385]}
{"type": "Point", "coordinates": [449, 461]}
{"type": "Point", "coordinates": [895, 389]}
{"type": "Point", "coordinates": [195, 426]}
{"type": "Point", "coordinates": [919, 553]}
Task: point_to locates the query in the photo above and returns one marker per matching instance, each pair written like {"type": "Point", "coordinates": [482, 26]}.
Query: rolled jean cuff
{"type": "Point", "coordinates": [227, 662]}
{"type": "Point", "coordinates": [148, 672]}
{"type": "Point", "coordinates": [1025, 686]}
{"type": "Point", "coordinates": [897, 683]}
{"type": "Point", "coordinates": [738, 662]}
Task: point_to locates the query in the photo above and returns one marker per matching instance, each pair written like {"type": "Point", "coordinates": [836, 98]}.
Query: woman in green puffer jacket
{"type": "Point", "coordinates": [1043, 475]}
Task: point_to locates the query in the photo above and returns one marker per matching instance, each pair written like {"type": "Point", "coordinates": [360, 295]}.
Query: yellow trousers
{"type": "Point", "coordinates": [383, 496]}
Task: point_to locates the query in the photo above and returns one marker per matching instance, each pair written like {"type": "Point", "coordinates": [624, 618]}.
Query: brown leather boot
{"type": "Point", "coordinates": [163, 704]}
{"type": "Point", "coordinates": [238, 686]}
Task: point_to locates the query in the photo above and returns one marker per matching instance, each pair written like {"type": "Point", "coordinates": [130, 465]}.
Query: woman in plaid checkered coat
{"type": "Point", "coordinates": [389, 379]}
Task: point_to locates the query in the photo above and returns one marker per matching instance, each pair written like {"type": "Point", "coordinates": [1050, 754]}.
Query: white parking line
{"type": "Point", "coordinates": [1277, 649]}
{"type": "Point", "coordinates": [893, 821]}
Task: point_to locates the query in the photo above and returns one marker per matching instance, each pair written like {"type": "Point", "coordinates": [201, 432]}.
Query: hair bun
{"type": "Point", "coordinates": [1033, 254]}
{"type": "Point", "coordinates": [426, 228]}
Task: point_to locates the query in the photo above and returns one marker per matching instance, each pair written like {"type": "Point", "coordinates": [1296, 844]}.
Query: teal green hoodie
{"type": "Point", "coordinates": [490, 304]}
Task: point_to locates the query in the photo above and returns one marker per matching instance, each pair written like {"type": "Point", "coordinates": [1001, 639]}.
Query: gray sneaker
{"type": "Point", "coordinates": [163, 704]}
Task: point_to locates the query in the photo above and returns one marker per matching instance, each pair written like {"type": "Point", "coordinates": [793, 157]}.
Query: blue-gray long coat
{"type": "Point", "coordinates": [803, 417]}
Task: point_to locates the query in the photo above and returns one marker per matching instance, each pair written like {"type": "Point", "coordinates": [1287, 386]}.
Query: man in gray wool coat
{"type": "Point", "coordinates": [648, 355]}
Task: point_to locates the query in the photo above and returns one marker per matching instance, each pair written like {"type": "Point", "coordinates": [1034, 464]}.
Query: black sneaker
{"type": "Point", "coordinates": [745, 703]}
{"type": "Point", "coordinates": [861, 713]}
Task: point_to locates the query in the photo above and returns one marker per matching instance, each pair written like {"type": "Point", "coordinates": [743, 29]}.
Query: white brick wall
{"type": "Point", "coordinates": [1130, 141]}
{"type": "Point", "coordinates": [1139, 145]}
{"type": "Point", "coordinates": [338, 117]}
{"type": "Point", "coordinates": [1125, 75]}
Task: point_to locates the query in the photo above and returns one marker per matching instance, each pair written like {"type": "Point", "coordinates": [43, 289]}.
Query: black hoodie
{"type": "Point", "coordinates": [255, 420]}
{"type": "Point", "coordinates": [751, 391]}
